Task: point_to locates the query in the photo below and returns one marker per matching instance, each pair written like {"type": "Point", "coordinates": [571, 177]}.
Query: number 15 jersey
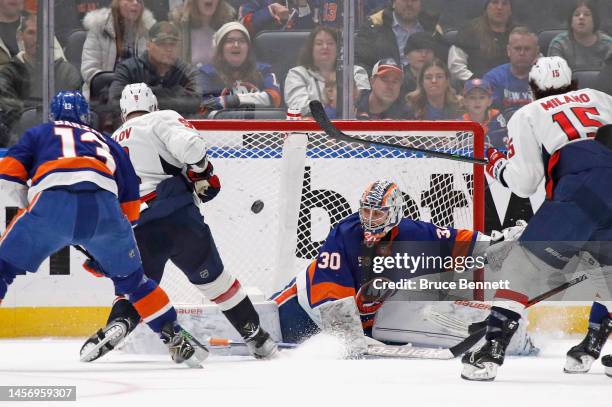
{"type": "Point", "coordinates": [539, 130]}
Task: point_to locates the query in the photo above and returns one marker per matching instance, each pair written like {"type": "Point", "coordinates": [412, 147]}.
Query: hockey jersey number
{"type": "Point", "coordinates": [582, 114]}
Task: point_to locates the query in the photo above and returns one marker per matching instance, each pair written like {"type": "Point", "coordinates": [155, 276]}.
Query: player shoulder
{"type": "Point", "coordinates": [347, 226]}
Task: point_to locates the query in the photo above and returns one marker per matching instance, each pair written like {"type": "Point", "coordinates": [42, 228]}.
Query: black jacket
{"type": "Point", "coordinates": [377, 40]}
{"type": "Point", "coordinates": [176, 90]}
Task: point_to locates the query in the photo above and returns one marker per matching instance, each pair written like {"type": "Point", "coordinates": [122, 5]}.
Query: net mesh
{"type": "Point", "coordinates": [282, 192]}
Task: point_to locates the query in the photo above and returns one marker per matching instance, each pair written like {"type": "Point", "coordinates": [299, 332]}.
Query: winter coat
{"type": "Point", "coordinates": [377, 40]}
{"type": "Point", "coordinates": [176, 90]}
{"type": "Point", "coordinates": [303, 85]}
{"type": "Point", "coordinates": [5, 54]}
{"type": "Point", "coordinates": [577, 55]}
{"type": "Point", "coordinates": [100, 49]}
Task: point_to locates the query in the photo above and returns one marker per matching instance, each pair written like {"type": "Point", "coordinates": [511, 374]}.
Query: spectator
{"type": "Point", "coordinates": [114, 34]}
{"type": "Point", "coordinates": [389, 29]}
{"type": "Point", "coordinates": [21, 79]}
{"type": "Point", "coordinates": [317, 65]}
{"type": "Point", "coordinates": [173, 82]}
{"type": "Point", "coordinates": [477, 100]}
{"type": "Point", "coordinates": [419, 49]}
{"type": "Point", "coordinates": [510, 81]}
{"type": "Point", "coordinates": [10, 11]}
{"type": "Point", "coordinates": [604, 79]}
{"type": "Point", "coordinates": [235, 79]}
{"type": "Point", "coordinates": [583, 46]}
{"type": "Point", "coordinates": [481, 44]}
{"type": "Point", "coordinates": [198, 20]}
{"type": "Point", "coordinates": [434, 98]}
{"type": "Point", "coordinates": [383, 101]}
{"type": "Point", "coordinates": [259, 15]}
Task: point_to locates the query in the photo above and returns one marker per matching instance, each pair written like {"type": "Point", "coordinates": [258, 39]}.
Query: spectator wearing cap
{"type": "Point", "coordinates": [510, 82]}
{"type": "Point", "coordinates": [388, 30]}
{"type": "Point", "coordinates": [419, 49]}
{"type": "Point", "coordinates": [259, 15]}
{"type": "Point", "coordinates": [235, 79]}
{"type": "Point", "coordinates": [481, 43]}
{"type": "Point", "coordinates": [113, 34]}
{"type": "Point", "coordinates": [317, 67]}
{"type": "Point", "coordinates": [383, 101]}
{"type": "Point", "coordinates": [173, 82]}
{"type": "Point", "coordinates": [434, 98]}
{"type": "Point", "coordinates": [477, 100]}
{"type": "Point", "coordinates": [583, 46]}
{"type": "Point", "coordinates": [197, 21]}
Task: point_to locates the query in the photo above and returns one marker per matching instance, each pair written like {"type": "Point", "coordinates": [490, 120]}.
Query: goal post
{"type": "Point", "coordinates": [286, 183]}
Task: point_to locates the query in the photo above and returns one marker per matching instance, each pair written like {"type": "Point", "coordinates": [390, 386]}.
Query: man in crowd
{"type": "Point", "coordinates": [10, 11]}
{"type": "Point", "coordinates": [419, 49]}
{"type": "Point", "coordinates": [383, 101]}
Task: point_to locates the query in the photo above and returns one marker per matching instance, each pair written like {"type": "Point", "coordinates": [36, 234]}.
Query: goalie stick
{"type": "Point", "coordinates": [318, 113]}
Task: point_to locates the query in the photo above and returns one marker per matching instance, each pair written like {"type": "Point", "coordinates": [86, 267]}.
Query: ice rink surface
{"type": "Point", "coordinates": [312, 375]}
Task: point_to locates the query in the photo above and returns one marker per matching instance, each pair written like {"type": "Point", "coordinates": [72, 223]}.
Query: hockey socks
{"type": "Point", "coordinates": [497, 319]}
{"type": "Point", "coordinates": [152, 304]}
{"type": "Point", "coordinates": [597, 315]}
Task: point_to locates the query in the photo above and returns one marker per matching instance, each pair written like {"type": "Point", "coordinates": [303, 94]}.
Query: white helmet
{"type": "Point", "coordinates": [137, 97]}
{"type": "Point", "coordinates": [381, 208]}
{"type": "Point", "coordinates": [550, 73]}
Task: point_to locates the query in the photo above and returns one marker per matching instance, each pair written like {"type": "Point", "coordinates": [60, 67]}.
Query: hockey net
{"type": "Point", "coordinates": [286, 183]}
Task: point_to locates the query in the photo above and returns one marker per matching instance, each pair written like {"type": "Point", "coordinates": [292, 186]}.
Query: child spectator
{"type": "Point", "coordinates": [317, 65]}
{"type": "Point", "coordinates": [510, 82]}
{"type": "Point", "coordinates": [383, 101]}
{"type": "Point", "coordinates": [235, 79]}
{"type": "Point", "coordinates": [477, 100]}
{"type": "Point", "coordinates": [419, 49]}
{"type": "Point", "coordinates": [481, 44]}
{"type": "Point", "coordinates": [583, 46]}
{"type": "Point", "coordinates": [434, 98]}
{"type": "Point", "coordinates": [114, 34]}
{"type": "Point", "coordinates": [198, 20]}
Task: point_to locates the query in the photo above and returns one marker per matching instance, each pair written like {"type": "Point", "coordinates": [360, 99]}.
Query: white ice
{"type": "Point", "coordinates": [313, 375]}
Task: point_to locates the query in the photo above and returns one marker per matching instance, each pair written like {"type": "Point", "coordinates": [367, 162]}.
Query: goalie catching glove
{"type": "Point", "coordinates": [206, 185]}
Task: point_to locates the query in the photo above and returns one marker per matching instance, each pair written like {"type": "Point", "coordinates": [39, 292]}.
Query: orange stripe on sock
{"type": "Point", "coordinates": [285, 295]}
{"type": "Point", "coordinates": [151, 303]}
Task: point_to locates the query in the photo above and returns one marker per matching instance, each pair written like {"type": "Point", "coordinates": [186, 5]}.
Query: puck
{"type": "Point", "coordinates": [257, 206]}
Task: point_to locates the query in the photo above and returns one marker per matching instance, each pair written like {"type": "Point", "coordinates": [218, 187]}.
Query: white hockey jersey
{"type": "Point", "coordinates": [160, 145]}
{"type": "Point", "coordinates": [547, 125]}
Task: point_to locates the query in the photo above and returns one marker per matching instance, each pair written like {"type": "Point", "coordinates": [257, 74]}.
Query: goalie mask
{"type": "Point", "coordinates": [380, 209]}
{"type": "Point", "coordinates": [137, 97]}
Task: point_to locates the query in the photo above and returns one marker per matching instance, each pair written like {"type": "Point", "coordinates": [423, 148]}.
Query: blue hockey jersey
{"type": "Point", "coordinates": [70, 155]}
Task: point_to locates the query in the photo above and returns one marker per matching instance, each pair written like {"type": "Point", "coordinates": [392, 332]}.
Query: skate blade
{"type": "Point", "coordinates": [484, 374]}
{"type": "Point", "coordinates": [95, 351]}
{"type": "Point", "coordinates": [573, 366]}
{"type": "Point", "coordinates": [198, 357]}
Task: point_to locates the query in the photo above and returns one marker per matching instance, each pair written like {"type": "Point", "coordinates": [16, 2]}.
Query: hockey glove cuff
{"type": "Point", "coordinates": [205, 184]}
{"type": "Point", "coordinates": [497, 162]}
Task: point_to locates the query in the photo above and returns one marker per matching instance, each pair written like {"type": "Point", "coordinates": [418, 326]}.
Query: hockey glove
{"type": "Point", "coordinates": [220, 103]}
{"type": "Point", "coordinates": [93, 267]}
{"type": "Point", "coordinates": [497, 161]}
{"type": "Point", "coordinates": [206, 185]}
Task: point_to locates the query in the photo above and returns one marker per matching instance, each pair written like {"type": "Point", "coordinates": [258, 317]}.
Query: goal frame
{"type": "Point", "coordinates": [310, 125]}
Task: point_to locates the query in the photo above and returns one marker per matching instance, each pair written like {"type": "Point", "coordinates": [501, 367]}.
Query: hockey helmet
{"type": "Point", "coordinates": [380, 209]}
{"type": "Point", "coordinates": [69, 105]}
{"type": "Point", "coordinates": [137, 97]}
{"type": "Point", "coordinates": [550, 73]}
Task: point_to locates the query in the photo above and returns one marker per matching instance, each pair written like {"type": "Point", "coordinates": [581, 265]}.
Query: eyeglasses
{"type": "Point", "coordinates": [238, 41]}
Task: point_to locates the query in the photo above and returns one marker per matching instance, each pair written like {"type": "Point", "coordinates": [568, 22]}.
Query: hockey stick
{"type": "Point", "coordinates": [228, 343]}
{"type": "Point", "coordinates": [416, 352]}
{"type": "Point", "coordinates": [318, 113]}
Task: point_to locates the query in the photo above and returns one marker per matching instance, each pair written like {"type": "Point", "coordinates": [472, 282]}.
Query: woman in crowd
{"type": "Point", "coordinates": [481, 44]}
{"type": "Point", "coordinates": [317, 66]}
{"type": "Point", "coordinates": [583, 46]}
{"type": "Point", "coordinates": [434, 98]}
{"type": "Point", "coordinates": [198, 20]}
{"type": "Point", "coordinates": [114, 34]}
{"type": "Point", "coordinates": [234, 79]}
